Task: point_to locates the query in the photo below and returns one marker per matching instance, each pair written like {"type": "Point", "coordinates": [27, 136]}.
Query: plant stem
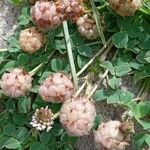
{"type": "Point", "coordinates": [32, 72]}
{"type": "Point", "coordinates": [100, 81]}
{"type": "Point", "coordinates": [82, 86]}
{"type": "Point", "coordinates": [98, 23]}
{"type": "Point", "coordinates": [144, 11]}
{"type": "Point", "coordinates": [97, 85]}
{"type": "Point", "coordinates": [56, 115]}
{"type": "Point", "coordinates": [141, 90]}
{"type": "Point", "coordinates": [3, 50]}
{"type": "Point", "coordinates": [93, 43]}
{"type": "Point", "coordinates": [70, 54]}
{"type": "Point", "coordinates": [80, 89]}
{"type": "Point", "coordinates": [91, 61]}
{"type": "Point", "coordinates": [99, 8]}
{"type": "Point", "coordinates": [104, 55]}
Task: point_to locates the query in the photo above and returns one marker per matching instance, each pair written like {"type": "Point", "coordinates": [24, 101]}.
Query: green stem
{"type": "Point", "coordinates": [141, 89]}
{"type": "Point", "coordinates": [32, 72]}
{"type": "Point", "coordinates": [144, 11]}
{"type": "Point", "coordinates": [98, 23]}
{"type": "Point", "coordinates": [100, 81]}
{"type": "Point", "coordinates": [92, 60]}
{"type": "Point", "coordinates": [97, 85]}
{"type": "Point", "coordinates": [99, 8]}
{"type": "Point", "coordinates": [56, 115]}
{"type": "Point", "coordinates": [70, 54]}
{"type": "Point", "coordinates": [3, 50]}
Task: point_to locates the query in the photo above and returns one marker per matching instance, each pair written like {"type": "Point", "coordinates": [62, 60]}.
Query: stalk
{"type": "Point", "coordinates": [70, 54]}
{"type": "Point", "coordinates": [98, 23]}
{"type": "Point", "coordinates": [97, 85]}
{"type": "Point", "coordinates": [32, 72]}
{"type": "Point", "coordinates": [100, 81]}
{"type": "Point", "coordinates": [3, 50]}
{"type": "Point", "coordinates": [99, 8]}
{"type": "Point", "coordinates": [92, 60]}
{"type": "Point", "coordinates": [56, 115]}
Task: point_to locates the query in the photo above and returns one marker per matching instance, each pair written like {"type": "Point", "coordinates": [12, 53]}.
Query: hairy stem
{"type": "Point", "coordinates": [56, 115]}
{"type": "Point", "coordinates": [32, 72]}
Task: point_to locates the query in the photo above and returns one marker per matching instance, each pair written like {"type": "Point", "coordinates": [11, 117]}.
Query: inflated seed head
{"type": "Point", "coordinates": [46, 15]}
{"type": "Point", "coordinates": [42, 119]}
{"type": "Point", "coordinates": [31, 40]}
{"type": "Point", "coordinates": [112, 135]}
{"type": "Point", "coordinates": [87, 27]}
{"type": "Point", "coordinates": [16, 83]}
{"type": "Point", "coordinates": [77, 116]}
{"type": "Point", "coordinates": [125, 7]}
{"type": "Point", "coordinates": [72, 9]}
{"type": "Point", "coordinates": [56, 88]}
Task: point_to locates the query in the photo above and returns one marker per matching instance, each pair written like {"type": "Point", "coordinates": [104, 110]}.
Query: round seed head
{"type": "Point", "coordinates": [31, 40]}
{"type": "Point", "coordinates": [111, 136]}
{"type": "Point", "coordinates": [46, 15]}
{"type": "Point", "coordinates": [16, 83]}
{"type": "Point", "coordinates": [56, 88]}
{"type": "Point", "coordinates": [125, 7]}
{"type": "Point", "coordinates": [77, 116]}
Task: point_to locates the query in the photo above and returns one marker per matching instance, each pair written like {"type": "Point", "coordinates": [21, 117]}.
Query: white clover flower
{"type": "Point", "coordinates": [43, 119]}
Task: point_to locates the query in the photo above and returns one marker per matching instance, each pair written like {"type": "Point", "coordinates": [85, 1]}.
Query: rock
{"type": "Point", "coordinates": [8, 23]}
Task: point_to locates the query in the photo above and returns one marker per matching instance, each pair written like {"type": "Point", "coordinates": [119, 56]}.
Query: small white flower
{"type": "Point", "coordinates": [42, 119]}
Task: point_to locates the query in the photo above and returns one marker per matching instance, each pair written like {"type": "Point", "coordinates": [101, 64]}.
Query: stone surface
{"type": "Point", "coordinates": [8, 21]}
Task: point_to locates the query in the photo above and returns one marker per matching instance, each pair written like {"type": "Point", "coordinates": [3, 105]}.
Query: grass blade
{"type": "Point", "coordinates": [70, 54]}
{"type": "Point", "coordinates": [98, 23]}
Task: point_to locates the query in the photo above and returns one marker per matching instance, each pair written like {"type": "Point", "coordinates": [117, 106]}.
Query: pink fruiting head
{"type": "Point", "coordinates": [110, 136]}
{"type": "Point", "coordinates": [77, 116]}
{"type": "Point", "coordinates": [31, 40]}
{"type": "Point", "coordinates": [56, 88]}
{"type": "Point", "coordinates": [46, 15]}
{"type": "Point", "coordinates": [16, 83]}
{"type": "Point", "coordinates": [125, 7]}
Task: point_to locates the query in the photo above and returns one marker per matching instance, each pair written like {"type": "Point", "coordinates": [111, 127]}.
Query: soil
{"type": "Point", "coordinates": [8, 24]}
